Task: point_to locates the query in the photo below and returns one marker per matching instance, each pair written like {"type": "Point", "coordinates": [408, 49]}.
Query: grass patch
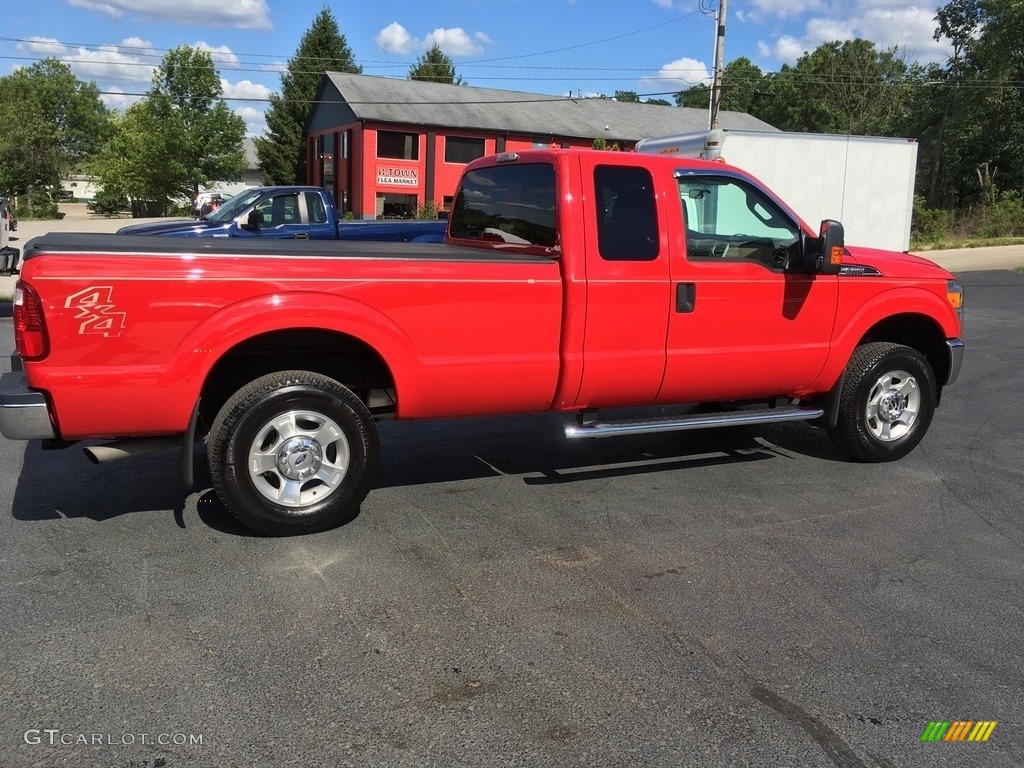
{"type": "Point", "coordinates": [981, 242]}
{"type": "Point", "coordinates": [1019, 269]}
{"type": "Point", "coordinates": [6, 297]}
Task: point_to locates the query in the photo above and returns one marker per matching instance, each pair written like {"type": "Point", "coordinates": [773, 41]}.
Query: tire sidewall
{"type": "Point", "coordinates": [262, 513]}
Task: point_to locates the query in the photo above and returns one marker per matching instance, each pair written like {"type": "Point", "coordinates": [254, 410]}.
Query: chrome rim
{"type": "Point", "coordinates": [299, 458]}
{"type": "Point", "coordinates": [893, 405]}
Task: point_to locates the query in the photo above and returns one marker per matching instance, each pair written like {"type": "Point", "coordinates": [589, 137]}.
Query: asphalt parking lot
{"type": "Point", "coordinates": [506, 598]}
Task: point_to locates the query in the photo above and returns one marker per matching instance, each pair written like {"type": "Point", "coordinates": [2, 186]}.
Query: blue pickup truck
{"type": "Point", "coordinates": [296, 213]}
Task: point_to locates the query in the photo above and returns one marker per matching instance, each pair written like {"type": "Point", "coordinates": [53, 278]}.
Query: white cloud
{"type": "Point", "coordinates": [826, 30]}
{"type": "Point", "coordinates": [783, 9]}
{"type": "Point", "coordinates": [678, 75]}
{"type": "Point", "coordinates": [44, 46]}
{"type": "Point", "coordinates": [912, 29]}
{"type": "Point", "coordinates": [255, 120]}
{"type": "Point", "coordinates": [455, 41]}
{"type": "Point", "coordinates": [886, 23]}
{"type": "Point", "coordinates": [222, 56]}
{"type": "Point", "coordinates": [663, 3]}
{"type": "Point", "coordinates": [243, 14]}
{"type": "Point", "coordinates": [245, 89]}
{"type": "Point", "coordinates": [115, 98]}
{"type": "Point", "coordinates": [785, 49]}
{"type": "Point", "coordinates": [253, 112]}
{"type": "Point", "coordinates": [395, 38]}
{"type": "Point", "coordinates": [129, 63]}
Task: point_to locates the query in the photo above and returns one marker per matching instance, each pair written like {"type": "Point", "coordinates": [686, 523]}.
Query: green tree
{"type": "Point", "coordinates": [50, 123]}
{"type": "Point", "coordinates": [845, 87]}
{"type": "Point", "coordinates": [626, 97]}
{"type": "Point", "coordinates": [282, 152]}
{"type": "Point", "coordinates": [435, 66]}
{"type": "Point", "coordinates": [743, 89]}
{"type": "Point", "coordinates": [180, 137]}
{"type": "Point", "coordinates": [186, 100]}
{"type": "Point", "coordinates": [984, 90]}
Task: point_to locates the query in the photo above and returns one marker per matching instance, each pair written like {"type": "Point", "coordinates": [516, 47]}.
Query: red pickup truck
{"type": "Point", "coordinates": [570, 281]}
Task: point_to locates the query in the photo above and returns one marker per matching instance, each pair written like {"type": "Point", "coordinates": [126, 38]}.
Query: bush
{"type": "Point", "coordinates": [930, 225]}
{"type": "Point", "coordinates": [427, 211]}
{"type": "Point", "coordinates": [109, 203]}
{"type": "Point", "coordinates": [1003, 218]}
{"type": "Point", "coordinates": [37, 206]}
{"type": "Point", "coordinates": [149, 209]}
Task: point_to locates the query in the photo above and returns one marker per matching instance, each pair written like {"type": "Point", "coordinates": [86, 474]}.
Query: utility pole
{"type": "Point", "coordinates": [716, 87]}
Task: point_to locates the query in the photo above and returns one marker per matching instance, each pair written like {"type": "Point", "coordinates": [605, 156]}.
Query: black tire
{"type": "Point", "coordinates": [317, 443]}
{"type": "Point", "coordinates": [887, 402]}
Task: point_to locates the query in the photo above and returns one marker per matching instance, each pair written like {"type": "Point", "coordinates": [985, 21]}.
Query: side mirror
{"type": "Point", "coordinates": [252, 223]}
{"type": "Point", "coordinates": [825, 254]}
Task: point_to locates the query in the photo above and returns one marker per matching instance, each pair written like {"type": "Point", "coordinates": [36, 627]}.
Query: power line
{"type": "Point", "coordinates": [789, 75]}
{"type": "Point", "coordinates": [154, 52]}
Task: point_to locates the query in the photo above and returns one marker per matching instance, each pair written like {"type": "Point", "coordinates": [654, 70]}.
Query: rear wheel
{"type": "Point", "coordinates": [887, 402]}
{"type": "Point", "coordinates": [293, 452]}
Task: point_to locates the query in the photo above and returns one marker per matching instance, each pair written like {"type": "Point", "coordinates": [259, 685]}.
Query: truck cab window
{"type": "Point", "coordinates": [280, 210]}
{"type": "Point", "coordinates": [627, 227]}
{"type": "Point", "coordinates": [510, 206]}
{"type": "Point", "coordinates": [317, 209]}
{"type": "Point", "coordinates": [729, 219]}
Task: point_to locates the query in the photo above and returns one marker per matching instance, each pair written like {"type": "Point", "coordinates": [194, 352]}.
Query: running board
{"type": "Point", "coordinates": [697, 421]}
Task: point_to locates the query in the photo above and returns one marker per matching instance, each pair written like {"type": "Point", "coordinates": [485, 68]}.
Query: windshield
{"type": "Point", "coordinates": [234, 207]}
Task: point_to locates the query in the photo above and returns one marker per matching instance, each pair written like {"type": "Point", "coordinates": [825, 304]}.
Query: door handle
{"type": "Point", "coordinates": [686, 297]}
{"type": "Point", "coordinates": [302, 235]}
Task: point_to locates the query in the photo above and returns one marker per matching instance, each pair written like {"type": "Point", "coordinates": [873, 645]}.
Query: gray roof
{"type": "Point", "coordinates": [412, 102]}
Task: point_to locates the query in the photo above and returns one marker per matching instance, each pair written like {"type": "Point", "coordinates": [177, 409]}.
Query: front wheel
{"type": "Point", "coordinates": [293, 452]}
{"type": "Point", "coordinates": [887, 402]}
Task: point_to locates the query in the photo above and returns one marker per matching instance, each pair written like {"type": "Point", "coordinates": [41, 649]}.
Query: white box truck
{"type": "Point", "coordinates": [866, 182]}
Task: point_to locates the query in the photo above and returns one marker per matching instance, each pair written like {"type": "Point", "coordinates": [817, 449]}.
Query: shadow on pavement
{"type": "Point", "coordinates": [63, 483]}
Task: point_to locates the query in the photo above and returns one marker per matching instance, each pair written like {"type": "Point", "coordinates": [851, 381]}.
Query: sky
{"type": "Point", "coordinates": [582, 47]}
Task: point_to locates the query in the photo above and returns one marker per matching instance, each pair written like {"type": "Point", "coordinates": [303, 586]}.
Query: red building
{"type": "Point", "coordinates": [385, 147]}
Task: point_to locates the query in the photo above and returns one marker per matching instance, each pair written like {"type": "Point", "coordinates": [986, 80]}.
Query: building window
{"type": "Point", "coordinates": [398, 146]}
{"type": "Point", "coordinates": [462, 149]}
{"type": "Point", "coordinates": [327, 163]}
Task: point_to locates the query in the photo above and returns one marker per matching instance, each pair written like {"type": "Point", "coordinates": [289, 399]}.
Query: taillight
{"type": "Point", "coordinates": [29, 328]}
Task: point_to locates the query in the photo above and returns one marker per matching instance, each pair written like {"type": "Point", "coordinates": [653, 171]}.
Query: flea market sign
{"type": "Point", "coordinates": [401, 177]}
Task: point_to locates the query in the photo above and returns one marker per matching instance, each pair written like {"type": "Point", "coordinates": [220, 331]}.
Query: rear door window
{"type": "Point", "coordinates": [628, 218]}
{"type": "Point", "coordinates": [507, 205]}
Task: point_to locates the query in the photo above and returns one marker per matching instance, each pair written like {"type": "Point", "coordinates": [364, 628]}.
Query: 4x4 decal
{"type": "Point", "coordinates": [95, 307]}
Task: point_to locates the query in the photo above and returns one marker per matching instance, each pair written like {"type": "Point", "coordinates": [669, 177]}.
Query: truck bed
{"type": "Point", "coordinates": [93, 243]}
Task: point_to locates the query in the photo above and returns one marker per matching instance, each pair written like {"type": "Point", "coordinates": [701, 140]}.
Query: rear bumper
{"type": "Point", "coordinates": [956, 359]}
{"type": "Point", "coordinates": [24, 413]}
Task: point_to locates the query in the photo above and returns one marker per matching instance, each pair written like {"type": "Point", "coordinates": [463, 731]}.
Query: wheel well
{"type": "Point", "coordinates": [343, 358]}
{"type": "Point", "coordinates": [918, 332]}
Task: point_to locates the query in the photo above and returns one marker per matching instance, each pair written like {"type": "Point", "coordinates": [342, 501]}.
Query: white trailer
{"type": "Point", "coordinates": [866, 182]}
